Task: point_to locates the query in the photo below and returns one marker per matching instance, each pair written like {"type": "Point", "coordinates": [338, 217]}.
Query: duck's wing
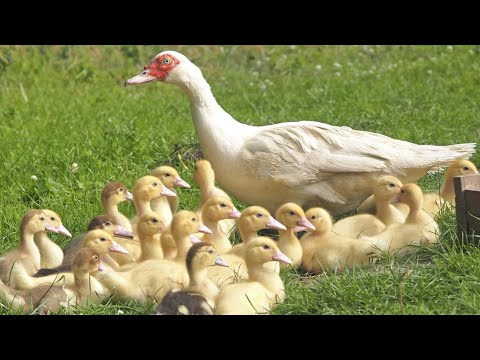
{"type": "Point", "coordinates": [306, 152]}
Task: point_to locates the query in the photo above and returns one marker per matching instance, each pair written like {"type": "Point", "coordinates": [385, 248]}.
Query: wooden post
{"type": "Point", "coordinates": [467, 205]}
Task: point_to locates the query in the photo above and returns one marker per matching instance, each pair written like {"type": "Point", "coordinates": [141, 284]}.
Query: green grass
{"type": "Point", "coordinates": [74, 108]}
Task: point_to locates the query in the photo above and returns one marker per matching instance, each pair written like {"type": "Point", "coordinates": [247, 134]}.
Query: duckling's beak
{"type": "Point", "coordinates": [51, 228]}
{"type": "Point", "coordinates": [235, 214]}
{"type": "Point", "coordinates": [281, 257]}
{"type": "Point", "coordinates": [180, 182]}
{"type": "Point", "coordinates": [297, 229]}
{"type": "Point", "coordinates": [203, 229]}
{"type": "Point", "coordinates": [395, 200]}
{"type": "Point", "coordinates": [122, 232]}
{"type": "Point", "coordinates": [307, 224]}
{"type": "Point", "coordinates": [117, 248]}
{"type": "Point", "coordinates": [63, 230]}
{"type": "Point", "coordinates": [219, 261]}
{"type": "Point", "coordinates": [141, 78]}
{"type": "Point", "coordinates": [274, 224]}
{"type": "Point", "coordinates": [194, 239]}
{"type": "Point", "coordinates": [129, 196]}
{"type": "Point", "coordinates": [166, 192]}
{"type": "Point", "coordinates": [101, 267]}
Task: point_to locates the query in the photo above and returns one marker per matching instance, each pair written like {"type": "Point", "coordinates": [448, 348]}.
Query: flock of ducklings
{"type": "Point", "coordinates": [184, 260]}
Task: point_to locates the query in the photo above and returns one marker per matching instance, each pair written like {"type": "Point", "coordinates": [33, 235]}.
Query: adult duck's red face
{"type": "Point", "coordinates": [158, 69]}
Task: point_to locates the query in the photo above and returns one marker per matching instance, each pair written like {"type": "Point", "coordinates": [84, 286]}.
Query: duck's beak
{"type": "Point", "coordinates": [297, 229]}
{"type": "Point", "coordinates": [129, 196]}
{"type": "Point", "coordinates": [274, 224]}
{"type": "Point", "coordinates": [203, 229]}
{"type": "Point", "coordinates": [219, 261]}
{"type": "Point", "coordinates": [194, 239]}
{"type": "Point", "coordinates": [167, 192]}
{"type": "Point", "coordinates": [142, 78]}
{"type": "Point", "coordinates": [117, 248]}
{"type": "Point", "coordinates": [63, 230]}
{"type": "Point", "coordinates": [281, 257]}
{"type": "Point", "coordinates": [235, 214]}
{"type": "Point", "coordinates": [120, 231]}
{"type": "Point", "coordinates": [101, 267]}
{"type": "Point", "coordinates": [305, 223]}
{"type": "Point", "coordinates": [180, 182]}
{"type": "Point", "coordinates": [51, 228]}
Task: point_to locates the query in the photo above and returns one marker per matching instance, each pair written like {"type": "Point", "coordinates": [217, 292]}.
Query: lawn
{"type": "Point", "coordinates": [61, 105]}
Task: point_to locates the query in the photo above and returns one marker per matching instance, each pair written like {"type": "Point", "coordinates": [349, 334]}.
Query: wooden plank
{"type": "Point", "coordinates": [459, 186]}
{"type": "Point", "coordinates": [467, 202]}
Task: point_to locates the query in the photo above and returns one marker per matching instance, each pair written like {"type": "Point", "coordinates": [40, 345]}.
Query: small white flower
{"type": "Point", "coordinates": [318, 67]}
{"type": "Point", "coordinates": [268, 82]}
{"type": "Point", "coordinates": [338, 74]}
{"type": "Point", "coordinates": [74, 167]}
{"type": "Point", "coordinates": [337, 65]}
{"type": "Point", "coordinates": [292, 47]}
{"type": "Point", "coordinates": [262, 86]}
{"type": "Point", "coordinates": [255, 73]}
{"type": "Point", "coordinates": [429, 72]}
{"type": "Point", "coordinates": [471, 52]}
{"type": "Point", "coordinates": [449, 48]}
{"type": "Point", "coordinates": [259, 62]}
{"type": "Point", "coordinates": [33, 177]}
{"type": "Point", "coordinates": [120, 312]}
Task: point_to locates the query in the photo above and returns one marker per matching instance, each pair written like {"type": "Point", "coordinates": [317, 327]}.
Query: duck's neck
{"type": "Point", "coordinates": [142, 206]}
{"type": "Point", "coordinates": [151, 247]}
{"type": "Point", "coordinates": [183, 245]}
{"type": "Point", "coordinates": [415, 209]}
{"type": "Point", "coordinates": [246, 234]}
{"type": "Point", "coordinates": [28, 246]}
{"type": "Point", "coordinates": [111, 209]}
{"type": "Point", "coordinates": [217, 238]}
{"type": "Point", "coordinates": [50, 253]}
{"type": "Point", "coordinates": [265, 275]}
{"type": "Point", "coordinates": [161, 206]}
{"type": "Point", "coordinates": [447, 191]}
{"type": "Point", "coordinates": [384, 210]}
{"type": "Point", "coordinates": [202, 284]}
{"type": "Point", "coordinates": [206, 189]}
{"type": "Point", "coordinates": [82, 285]}
{"type": "Point", "coordinates": [287, 236]}
{"type": "Point", "coordinates": [173, 201]}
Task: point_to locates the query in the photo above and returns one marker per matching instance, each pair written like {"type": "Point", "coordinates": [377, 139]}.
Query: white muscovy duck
{"type": "Point", "coordinates": [306, 162]}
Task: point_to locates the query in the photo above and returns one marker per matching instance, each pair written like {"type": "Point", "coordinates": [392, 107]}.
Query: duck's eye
{"type": "Point", "coordinates": [403, 191]}
{"type": "Point", "coordinates": [155, 184]}
{"type": "Point", "coordinates": [223, 205]}
{"type": "Point", "coordinates": [103, 239]}
{"type": "Point", "coordinates": [266, 247]}
{"type": "Point", "coordinates": [120, 189]}
{"type": "Point", "coordinates": [144, 73]}
{"type": "Point", "coordinates": [292, 213]}
{"type": "Point", "coordinates": [391, 185]}
{"type": "Point", "coordinates": [166, 61]}
{"type": "Point", "coordinates": [466, 168]}
{"type": "Point", "coordinates": [42, 218]}
{"type": "Point", "coordinates": [108, 223]}
{"type": "Point", "coordinates": [95, 257]}
{"type": "Point", "coordinates": [259, 215]}
{"type": "Point", "coordinates": [52, 218]}
{"type": "Point", "coordinates": [168, 175]}
{"type": "Point", "coordinates": [210, 251]}
{"type": "Point", "coordinates": [193, 219]}
{"type": "Point", "coordinates": [154, 220]}
{"type": "Point", "coordinates": [314, 217]}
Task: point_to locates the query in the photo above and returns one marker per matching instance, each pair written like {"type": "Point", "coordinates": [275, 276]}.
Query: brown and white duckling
{"type": "Point", "coordinates": [204, 176]}
{"type": "Point", "coordinates": [199, 297]}
{"type": "Point", "coordinates": [113, 194]}
{"type": "Point", "coordinates": [214, 210]}
{"type": "Point", "coordinates": [155, 278]}
{"type": "Point", "coordinates": [291, 215]}
{"type": "Point", "coordinates": [51, 255]}
{"type": "Point", "coordinates": [45, 299]}
{"type": "Point", "coordinates": [264, 287]}
{"type": "Point", "coordinates": [145, 190]}
{"type": "Point", "coordinates": [419, 227]}
{"type": "Point", "coordinates": [323, 250]}
{"type": "Point", "coordinates": [171, 179]}
{"type": "Point", "coordinates": [25, 259]}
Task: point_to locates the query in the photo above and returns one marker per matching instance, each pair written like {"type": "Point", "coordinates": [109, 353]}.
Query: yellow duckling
{"type": "Point", "coordinates": [199, 297]}
{"type": "Point", "coordinates": [171, 179]}
{"type": "Point", "coordinates": [323, 250]}
{"type": "Point", "coordinates": [264, 287]}
{"type": "Point", "coordinates": [291, 215]}
{"type": "Point", "coordinates": [45, 299]}
{"type": "Point", "coordinates": [113, 194]}
{"type": "Point", "coordinates": [419, 227]}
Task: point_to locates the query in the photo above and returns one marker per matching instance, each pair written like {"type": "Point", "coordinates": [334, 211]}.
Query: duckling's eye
{"type": "Point", "coordinates": [108, 223]}
{"type": "Point", "coordinates": [391, 185]}
{"type": "Point", "coordinates": [292, 213]}
{"type": "Point", "coordinates": [155, 184]}
{"type": "Point", "coordinates": [42, 218]}
{"type": "Point", "coordinates": [403, 191]}
{"type": "Point", "coordinates": [314, 217]}
{"type": "Point", "coordinates": [52, 218]}
{"type": "Point", "coordinates": [167, 174]}
{"type": "Point", "coordinates": [95, 257]}
{"type": "Point", "coordinates": [154, 220]}
{"type": "Point", "coordinates": [466, 168]}
{"type": "Point", "coordinates": [193, 219]}
{"type": "Point", "coordinates": [120, 189]}
{"type": "Point", "coordinates": [223, 205]}
{"type": "Point", "coordinates": [166, 61]}
{"type": "Point", "coordinates": [266, 247]}
{"type": "Point", "coordinates": [210, 251]}
{"type": "Point", "coordinates": [103, 239]}
{"type": "Point", "coordinates": [259, 215]}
